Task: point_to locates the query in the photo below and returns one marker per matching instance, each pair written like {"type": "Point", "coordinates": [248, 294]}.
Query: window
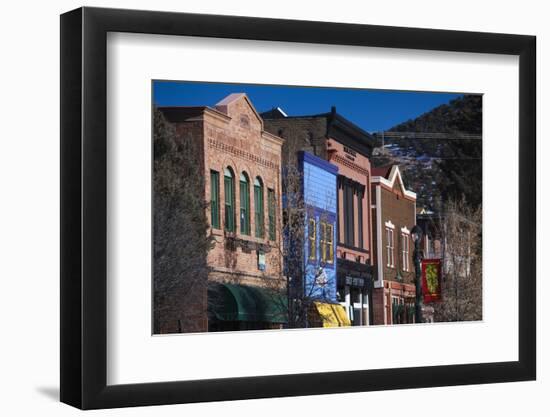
{"type": "Point", "coordinates": [398, 310]}
{"type": "Point", "coordinates": [259, 207]}
{"type": "Point", "coordinates": [271, 212]}
{"type": "Point", "coordinates": [389, 247]}
{"type": "Point", "coordinates": [327, 247]}
{"type": "Point", "coordinates": [229, 190]}
{"type": "Point", "coordinates": [215, 199]}
{"type": "Point", "coordinates": [410, 310]}
{"type": "Point", "coordinates": [405, 251]}
{"type": "Point", "coordinates": [360, 218]}
{"type": "Point", "coordinates": [323, 227]}
{"type": "Point", "coordinates": [245, 204]}
{"type": "Point", "coordinates": [330, 245]}
{"type": "Point", "coordinates": [312, 238]}
{"type": "Point", "coordinates": [349, 226]}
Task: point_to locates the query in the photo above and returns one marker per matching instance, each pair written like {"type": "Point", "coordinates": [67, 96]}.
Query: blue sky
{"type": "Point", "coordinates": [373, 110]}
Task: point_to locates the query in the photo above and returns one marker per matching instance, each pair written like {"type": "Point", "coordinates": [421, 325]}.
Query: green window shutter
{"type": "Point", "coordinates": [229, 202]}
{"type": "Point", "coordinates": [271, 204]}
{"type": "Point", "coordinates": [259, 208]}
{"type": "Point", "coordinates": [245, 206]}
{"type": "Point", "coordinates": [215, 199]}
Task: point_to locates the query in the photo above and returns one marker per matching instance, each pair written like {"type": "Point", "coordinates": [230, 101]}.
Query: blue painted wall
{"type": "Point", "coordinates": [320, 198]}
{"type": "Point", "coordinates": [319, 191]}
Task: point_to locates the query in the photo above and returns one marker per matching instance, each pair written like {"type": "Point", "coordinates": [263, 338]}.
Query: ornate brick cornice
{"type": "Point", "coordinates": [349, 164]}
{"type": "Point", "coordinates": [240, 153]}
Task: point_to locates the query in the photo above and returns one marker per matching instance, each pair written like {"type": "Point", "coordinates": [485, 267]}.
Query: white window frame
{"type": "Point", "coordinates": [390, 247]}
{"type": "Point", "coordinates": [406, 249]}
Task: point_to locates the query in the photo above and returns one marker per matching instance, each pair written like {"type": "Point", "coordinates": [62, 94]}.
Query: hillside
{"type": "Point", "coordinates": [439, 152]}
{"type": "Point", "coordinates": [460, 115]}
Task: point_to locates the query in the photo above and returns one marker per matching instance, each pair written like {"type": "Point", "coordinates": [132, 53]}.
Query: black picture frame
{"type": "Point", "coordinates": [84, 207]}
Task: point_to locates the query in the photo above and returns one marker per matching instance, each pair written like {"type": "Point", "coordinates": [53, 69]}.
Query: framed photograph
{"type": "Point", "coordinates": [257, 208]}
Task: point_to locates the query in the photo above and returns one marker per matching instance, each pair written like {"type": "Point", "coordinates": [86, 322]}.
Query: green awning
{"type": "Point", "coordinates": [231, 302]}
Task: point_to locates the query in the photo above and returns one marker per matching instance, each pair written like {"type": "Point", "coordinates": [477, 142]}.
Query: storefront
{"type": "Point", "coordinates": [242, 307]}
{"type": "Point", "coordinates": [355, 291]}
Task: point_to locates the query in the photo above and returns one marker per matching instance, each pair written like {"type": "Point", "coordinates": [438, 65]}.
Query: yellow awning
{"type": "Point", "coordinates": [332, 315]}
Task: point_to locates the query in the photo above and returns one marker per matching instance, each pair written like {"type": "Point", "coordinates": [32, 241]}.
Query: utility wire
{"type": "Point", "coordinates": [428, 135]}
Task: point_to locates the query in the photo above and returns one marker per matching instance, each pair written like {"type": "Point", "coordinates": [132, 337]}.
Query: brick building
{"type": "Point", "coordinates": [242, 168]}
{"type": "Point", "coordinates": [394, 215]}
{"type": "Point", "coordinates": [332, 137]}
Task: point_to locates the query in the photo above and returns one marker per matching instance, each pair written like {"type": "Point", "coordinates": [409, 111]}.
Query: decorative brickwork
{"type": "Point", "coordinates": [217, 145]}
{"type": "Point", "coordinates": [233, 141]}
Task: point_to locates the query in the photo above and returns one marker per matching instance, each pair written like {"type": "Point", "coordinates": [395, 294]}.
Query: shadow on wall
{"type": "Point", "coordinates": [50, 392]}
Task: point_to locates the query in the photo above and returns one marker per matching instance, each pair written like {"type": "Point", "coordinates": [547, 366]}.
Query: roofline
{"type": "Point", "coordinates": [390, 182]}
{"type": "Point", "coordinates": [331, 116]}
{"type": "Point", "coordinates": [237, 97]}
{"type": "Point", "coordinates": [304, 156]}
{"type": "Point", "coordinates": [355, 127]}
{"type": "Point", "coordinates": [203, 108]}
{"type": "Point", "coordinates": [274, 138]}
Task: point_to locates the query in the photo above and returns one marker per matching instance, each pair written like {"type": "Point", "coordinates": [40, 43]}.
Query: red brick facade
{"type": "Point", "coordinates": [394, 215]}
{"type": "Point", "coordinates": [356, 167]}
{"type": "Point", "coordinates": [233, 138]}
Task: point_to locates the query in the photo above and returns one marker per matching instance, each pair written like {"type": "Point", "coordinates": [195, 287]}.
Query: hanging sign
{"type": "Point", "coordinates": [431, 280]}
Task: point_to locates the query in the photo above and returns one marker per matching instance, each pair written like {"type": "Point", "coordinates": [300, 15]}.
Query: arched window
{"type": "Point", "coordinates": [229, 190]}
{"type": "Point", "coordinates": [259, 207]}
{"type": "Point", "coordinates": [244, 187]}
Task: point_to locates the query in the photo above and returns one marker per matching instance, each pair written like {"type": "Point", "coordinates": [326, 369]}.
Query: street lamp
{"type": "Point", "coordinates": [416, 234]}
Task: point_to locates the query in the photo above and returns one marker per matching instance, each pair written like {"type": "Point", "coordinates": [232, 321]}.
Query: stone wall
{"type": "Point", "coordinates": [238, 142]}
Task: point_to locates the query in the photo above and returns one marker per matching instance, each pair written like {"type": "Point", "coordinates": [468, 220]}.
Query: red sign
{"type": "Point", "coordinates": [431, 280]}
